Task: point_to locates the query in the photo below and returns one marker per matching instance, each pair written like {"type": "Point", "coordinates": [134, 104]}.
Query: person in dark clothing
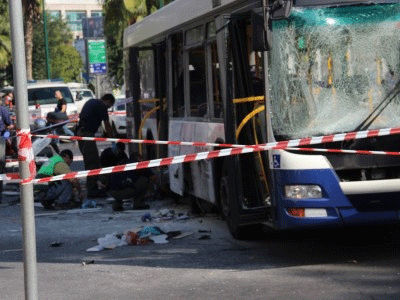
{"type": "Point", "coordinates": [114, 155]}
{"type": "Point", "coordinates": [62, 108]}
{"type": "Point", "coordinates": [92, 114]}
{"type": "Point", "coordinates": [5, 123]}
{"type": "Point", "coordinates": [130, 184]}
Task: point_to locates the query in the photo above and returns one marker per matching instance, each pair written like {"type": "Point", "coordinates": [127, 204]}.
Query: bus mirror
{"type": "Point", "coordinates": [281, 9]}
{"type": "Point", "coordinates": [260, 34]}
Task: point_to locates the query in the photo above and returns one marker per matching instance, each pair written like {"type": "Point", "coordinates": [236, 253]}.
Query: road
{"type": "Point", "coordinates": [349, 263]}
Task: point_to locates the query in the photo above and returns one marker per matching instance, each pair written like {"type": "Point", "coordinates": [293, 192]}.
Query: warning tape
{"type": "Point", "coordinates": [123, 113]}
{"type": "Point", "coordinates": [233, 150]}
{"type": "Point", "coordinates": [25, 153]}
{"type": "Point", "coordinates": [281, 145]}
{"type": "Point", "coordinates": [179, 159]}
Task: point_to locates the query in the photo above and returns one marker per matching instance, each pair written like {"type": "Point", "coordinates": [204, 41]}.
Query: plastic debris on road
{"type": "Point", "coordinates": [110, 241]}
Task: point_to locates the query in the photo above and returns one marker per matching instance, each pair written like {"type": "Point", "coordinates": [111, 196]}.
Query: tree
{"type": "Point", "coordinates": [66, 63]}
{"type": "Point", "coordinates": [116, 19]}
{"type": "Point", "coordinates": [5, 41]}
{"type": "Point", "coordinates": [31, 14]}
{"type": "Point", "coordinates": [60, 40]}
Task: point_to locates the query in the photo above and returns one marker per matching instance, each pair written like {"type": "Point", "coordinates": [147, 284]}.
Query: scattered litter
{"type": "Point", "coordinates": [110, 241]}
{"type": "Point", "coordinates": [173, 234]}
{"type": "Point", "coordinates": [183, 235]}
{"type": "Point", "coordinates": [352, 261]}
{"type": "Point", "coordinates": [205, 237]}
{"type": "Point", "coordinates": [56, 244]}
{"type": "Point", "coordinates": [146, 218]}
{"type": "Point", "coordinates": [147, 230]}
{"type": "Point", "coordinates": [95, 249]}
{"type": "Point", "coordinates": [159, 239]}
{"type": "Point", "coordinates": [164, 215]}
{"type": "Point", "coordinates": [89, 204]}
{"type": "Point", "coordinates": [133, 238]}
{"type": "Point", "coordinates": [89, 262]}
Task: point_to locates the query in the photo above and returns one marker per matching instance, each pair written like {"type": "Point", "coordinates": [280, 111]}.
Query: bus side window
{"type": "Point", "coordinates": [197, 75]}
{"type": "Point", "coordinates": [177, 76]}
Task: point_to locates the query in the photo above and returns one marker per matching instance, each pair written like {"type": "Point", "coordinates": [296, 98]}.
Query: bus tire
{"type": "Point", "coordinates": [238, 232]}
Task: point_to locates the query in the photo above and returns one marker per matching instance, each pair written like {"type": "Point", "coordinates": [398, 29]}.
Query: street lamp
{"type": "Point", "coordinates": [46, 40]}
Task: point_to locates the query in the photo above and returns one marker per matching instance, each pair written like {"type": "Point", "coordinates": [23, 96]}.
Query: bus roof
{"type": "Point", "coordinates": [173, 15]}
{"type": "Point", "coordinates": [181, 12]}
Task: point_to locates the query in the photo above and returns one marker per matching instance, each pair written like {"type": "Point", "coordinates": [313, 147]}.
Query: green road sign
{"type": "Point", "coordinates": [97, 56]}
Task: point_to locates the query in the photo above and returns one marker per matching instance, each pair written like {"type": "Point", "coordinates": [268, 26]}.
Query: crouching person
{"type": "Point", "coordinates": [63, 194]}
{"type": "Point", "coordinates": [130, 185]}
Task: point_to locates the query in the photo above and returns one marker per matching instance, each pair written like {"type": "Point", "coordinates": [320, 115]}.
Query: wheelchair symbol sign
{"type": "Point", "coordinates": [276, 161]}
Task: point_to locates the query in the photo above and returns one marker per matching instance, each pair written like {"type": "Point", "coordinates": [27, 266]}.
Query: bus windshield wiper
{"type": "Point", "coordinates": [379, 108]}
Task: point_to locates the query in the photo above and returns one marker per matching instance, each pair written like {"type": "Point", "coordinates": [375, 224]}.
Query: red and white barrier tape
{"type": "Point", "coordinates": [278, 145]}
{"type": "Point", "coordinates": [238, 149]}
{"type": "Point", "coordinates": [181, 159]}
{"type": "Point", "coordinates": [25, 153]}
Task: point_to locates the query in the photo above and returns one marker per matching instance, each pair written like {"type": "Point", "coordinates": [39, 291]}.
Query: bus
{"type": "Point", "coordinates": [258, 71]}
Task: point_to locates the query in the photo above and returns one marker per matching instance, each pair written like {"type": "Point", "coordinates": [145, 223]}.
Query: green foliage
{"type": "Point", "coordinates": [116, 19]}
{"type": "Point", "coordinates": [66, 63]}
{"type": "Point", "coordinates": [65, 60]}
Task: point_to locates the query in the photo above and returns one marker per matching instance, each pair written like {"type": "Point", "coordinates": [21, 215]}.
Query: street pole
{"type": "Point", "coordinates": [21, 96]}
{"type": "Point", "coordinates": [46, 40]}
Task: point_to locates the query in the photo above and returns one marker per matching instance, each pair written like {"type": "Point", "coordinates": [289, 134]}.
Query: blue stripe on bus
{"type": "Point", "coordinates": [339, 209]}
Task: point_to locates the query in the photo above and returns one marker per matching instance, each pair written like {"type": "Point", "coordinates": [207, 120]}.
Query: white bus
{"type": "Point", "coordinates": [253, 72]}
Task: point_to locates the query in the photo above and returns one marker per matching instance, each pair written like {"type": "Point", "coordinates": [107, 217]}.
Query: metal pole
{"type": "Point", "coordinates": [98, 92]}
{"type": "Point", "coordinates": [46, 41]}
{"type": "Point", "coordinates": [21, 96]}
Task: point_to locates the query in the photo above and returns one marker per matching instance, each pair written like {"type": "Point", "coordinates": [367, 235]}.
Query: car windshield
{"type": "Point", "coordinates": [330, 68]}
{"type": "Point", "coordinates": [87, 94]}
{"type": "Point", "coordinates": [45, 95]}
{"type": "Point", "coordinates": [120, 107]}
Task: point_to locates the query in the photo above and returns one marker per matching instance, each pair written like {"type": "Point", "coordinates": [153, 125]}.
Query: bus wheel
{"type": "Point", "coordinates": [238, 232]}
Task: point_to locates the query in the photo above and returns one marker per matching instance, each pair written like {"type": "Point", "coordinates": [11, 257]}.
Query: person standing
{"type": "Point", "coordinates": [62, 108]}
{"type": "Point", "coordinates": [92, 114]}
{"type": "Point", "coordinates": [61, 194]}
{"type": "Point", "coordinates": [5, 122]}
{"type": "Point", "coordinates": [8, 99]}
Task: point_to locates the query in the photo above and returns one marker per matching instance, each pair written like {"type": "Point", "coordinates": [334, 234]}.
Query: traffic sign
{"type": "Point", "coordinates": [97, 56]}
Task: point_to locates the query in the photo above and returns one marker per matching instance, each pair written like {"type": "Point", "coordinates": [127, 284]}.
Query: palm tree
{"type": "Point", "coordinates": [5, 41]}
{"type": "Point", "coordinates": [31, 14]}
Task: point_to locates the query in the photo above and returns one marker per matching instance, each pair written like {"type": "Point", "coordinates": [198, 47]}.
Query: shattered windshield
{"type": "Point", "coordinates": [330, 67]}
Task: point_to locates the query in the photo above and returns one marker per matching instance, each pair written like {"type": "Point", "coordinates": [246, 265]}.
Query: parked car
{"type": "Point", "coordinates": [41, 99]}
{"type": "Point", "coordinates": [117, 117]}
{"type": "Point", "coordinates": [81, 96]}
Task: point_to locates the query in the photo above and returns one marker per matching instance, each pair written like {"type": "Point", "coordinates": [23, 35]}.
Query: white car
{"type": "Point", "coordinates": [117, 117]}
{"type": "Point", "coordinates": [81, 96]}
{"type": "Point", "coordinates": [41, 99]}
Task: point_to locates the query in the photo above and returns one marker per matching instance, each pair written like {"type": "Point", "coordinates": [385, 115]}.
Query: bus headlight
{"type": "Point", "coordinates": [303, 191]}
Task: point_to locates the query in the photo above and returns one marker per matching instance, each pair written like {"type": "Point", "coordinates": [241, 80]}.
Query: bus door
{"type": "Point", "coordinates": [161, 91]}
{"type": "Point", "coordinates": [246, 188]}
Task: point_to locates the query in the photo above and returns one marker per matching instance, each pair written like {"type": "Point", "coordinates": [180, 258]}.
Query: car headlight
{"type": "Point", "coordinates": [303, 191]}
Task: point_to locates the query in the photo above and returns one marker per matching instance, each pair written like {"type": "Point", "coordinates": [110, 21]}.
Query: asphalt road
{"type": "Point", "coordinates": [349, 263]}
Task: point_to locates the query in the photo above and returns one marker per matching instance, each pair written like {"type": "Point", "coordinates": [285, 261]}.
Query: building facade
{"type": "Point", "coordinates": [73, 12]}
